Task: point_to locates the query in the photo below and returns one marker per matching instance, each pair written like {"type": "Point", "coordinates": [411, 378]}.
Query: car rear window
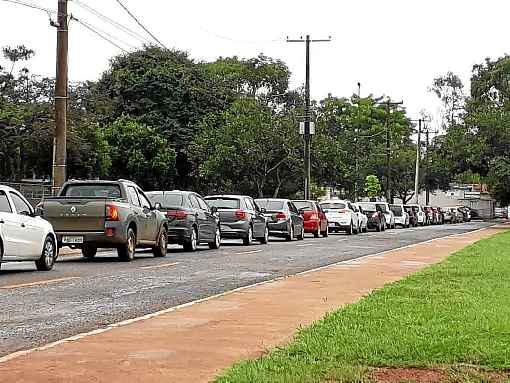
{"type": "Point", "coordinates": [303, 205]}
{"type": "Point", "coordinates": [92, 190]}
{"type": "Point", "coordinates": [166, 199]}
{"type": "Point", "coordinates": [397, 210]}
{"type": "Point", "coordinates": [333, 205]}
{"type": "Point", "coordinates": [367, 206]}
{"type": "Point", "coordinates": [270, 205]}
{"type": "Point", "coordinates": [224, 203]}
{"type": "Point", "coordinates": [383, 207]}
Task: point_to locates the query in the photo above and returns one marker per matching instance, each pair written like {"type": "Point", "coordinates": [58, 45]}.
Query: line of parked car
{"type": "Point", "coordinates": [89, 215]}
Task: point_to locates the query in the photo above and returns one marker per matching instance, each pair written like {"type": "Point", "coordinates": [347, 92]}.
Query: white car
{"type": "Point", "coordinates": [341, 216]}
{"type": "Point", "coordinates": [420, 213]}
{"type": "Point", "coordinates": [388, 214]}
{"type": "Point", "coordinates": [362, 218]}
{"type": "Point", "coordinates": [23, 236]}
{"type": "Point", "coordinates": [400, 214]}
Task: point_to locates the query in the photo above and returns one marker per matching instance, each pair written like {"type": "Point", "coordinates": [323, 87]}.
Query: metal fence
{"type": "Point", "coordinates": [34, 193]}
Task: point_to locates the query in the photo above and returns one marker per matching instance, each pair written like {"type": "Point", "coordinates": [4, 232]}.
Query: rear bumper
{"type": "Point", "coordinates": [311, 226]}
{"type": "Point", "coordinates": [338, 226]}
{"type": "Point", "coordinates": [234, 230]}
{"type": "Point", "coordinates": [97, 239]}
{"type": "Point", "coordinates": [178, 235]}
{"type": "Point", "coordinates": [400, 221]}
{"type": "Point", "coordinates": [278, 229]}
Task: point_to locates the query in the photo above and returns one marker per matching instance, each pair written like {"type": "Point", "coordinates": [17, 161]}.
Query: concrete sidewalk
{"type": "Point", "coordinates": [195, 342]}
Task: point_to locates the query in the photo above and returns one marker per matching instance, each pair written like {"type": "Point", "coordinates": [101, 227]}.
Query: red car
{"type": "Point", "coordinates": [315, 219]}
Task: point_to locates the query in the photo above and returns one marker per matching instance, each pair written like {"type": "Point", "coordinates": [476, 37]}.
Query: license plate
{"type": "Point", "coordinates": [72, 239]}
{"type": "Point", "coordinates": [332, 225]}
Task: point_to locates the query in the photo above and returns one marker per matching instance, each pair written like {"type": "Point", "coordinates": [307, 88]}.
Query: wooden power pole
{"type": "Point", "coordinates": [60, 137]}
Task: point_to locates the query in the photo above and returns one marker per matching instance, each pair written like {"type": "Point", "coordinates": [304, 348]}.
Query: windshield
{"type": "Point", "coordinates": [397, 210]}
{"type": "Point", "coordinates": [367, 206]}
{"type": "Point", "coordinates": [223, 203]}
{"type": "Point", "coordinates": [333, 205]}
{"type": "Point", "coordinates": [92, 190]}
{"type": "Point", "coordinates": [270, 205]}
{"type": "Point", "coordinates": [303, 205]}
{"type": "Point", "coordinates": [383, 207]}
{"type": "Point", "coordinates": [167, 199]}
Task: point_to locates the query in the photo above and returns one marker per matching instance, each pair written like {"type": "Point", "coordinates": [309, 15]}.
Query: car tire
{"type": "Point", "coordinates": [290, 236]}
{"type": "Point", "coordinates": [89, 252]}
{"type": "Point", "coordinates": [216, 244]}
{"type": "Point", "coordinates": [317, 234]}
{"type": "Point", "coordinates": [301, 236]}
{"type": "Point", "coordinates": [1, 253]}
{"type": "Point", "coordinates": [48, 255]}
{"type": "Point", "coordinates": [248, 240]}
{"type": "Point", "coordinates": [191, 244]}
{"type": "Point", "coordinates": [379, 226]}
{"type": "Point", "coordinates": [265, 239]}
{"type": "Point", "coordinates": [126, 252]}
{"type": "Point", "coordinates": [160, 249]}
{"type": "Point", "coordinates": [325, 233]}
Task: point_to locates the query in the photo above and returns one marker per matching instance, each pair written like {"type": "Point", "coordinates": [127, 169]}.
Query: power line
{"type": "Point", "coordinates": [30, 5]}
{"type": "Point", "coordinates": [238, 40]}
{"type": "Point", "coordinates": [112, 22]}
{"type": "Point", "coordinates": [140, 24]}
{"type": "Point", "coordinates": [100, 34]}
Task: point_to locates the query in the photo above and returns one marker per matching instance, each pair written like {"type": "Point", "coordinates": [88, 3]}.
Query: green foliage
{"type": "Point", "coordinates": [372, 186]}
{"type": "Point", "coordinates": [499, 180]}
{"type": "Point", "coordinates": [138, 152]}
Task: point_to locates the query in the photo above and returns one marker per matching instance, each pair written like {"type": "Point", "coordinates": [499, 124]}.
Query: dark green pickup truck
{"type": "Point", "coordinates": [106, 214]}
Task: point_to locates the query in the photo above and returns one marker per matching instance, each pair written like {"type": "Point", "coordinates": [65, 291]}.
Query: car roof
{"type": "Point", "coordinates": [273, 199]}
{"type": "Point", "coordinates": [227, 196]}
{"type": "Point", "coordinates": [8, 188]}
{"type": "Point", "coordinates": [334, 201]}
{"type": "Point", "coordinates": [170, 192]}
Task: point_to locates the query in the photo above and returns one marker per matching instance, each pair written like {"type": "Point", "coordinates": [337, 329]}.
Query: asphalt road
{"type": "Point", "coordinates": [80, 295]}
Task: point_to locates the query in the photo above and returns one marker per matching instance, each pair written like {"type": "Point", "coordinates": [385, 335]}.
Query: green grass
{"type": "Point", "coordinates": [455, 312]}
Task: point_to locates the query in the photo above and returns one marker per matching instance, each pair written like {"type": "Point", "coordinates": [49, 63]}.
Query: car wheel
{"type": "Point", "coordinates": [290, 235]}
{"type": "Point", "coordinates": [89, 252]}
{"type": "Point", "coordinates": [301, 236]}
{"type": "Point", "coordinates": [1, 253]}
{"type": "Point", "coordinates": [127, 251]}
{"type": "Point", "coordinates": [248, 240]}
{"type": "Point", "coordinates": [48, 256]}
{"type": "Point", "coordinates": [265, 239]}
{"type": "Point", "coordinates": [325, 233]}
{"type": "Point", "coordinates": [379, 227]}
{"type": "Point", "coordinates": [192, 243]}
{"type": "Point", "coordinates": [317, 234]}
{"type": "Point", "coordinates": [161, 248]}
{"type": "Point", "coordinates": [214, 245]}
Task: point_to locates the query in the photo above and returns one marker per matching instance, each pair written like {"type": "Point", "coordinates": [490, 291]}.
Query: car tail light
{"type": "Point", "coordinates": [375, 215]}
{"type": "Point", "coordinates": [281, 216]}
{"type": "Point", "coordinates": [177, 214]}
{"type": "Point", "coordinates": [313, 216]}
{"type": "Point", "coordinates": [112, 213]}
{"type": "Point", "coordinates": [241, 214]}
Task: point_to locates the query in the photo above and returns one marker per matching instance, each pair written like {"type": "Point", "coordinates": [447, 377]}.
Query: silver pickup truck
{"type": "Point", "coordinates": [106, 214]}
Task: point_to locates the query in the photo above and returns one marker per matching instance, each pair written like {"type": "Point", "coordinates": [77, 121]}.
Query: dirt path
{"type": "Point", "coordinates": [196, 342]}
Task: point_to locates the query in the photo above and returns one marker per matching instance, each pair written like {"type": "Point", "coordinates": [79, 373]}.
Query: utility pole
{"type": "Point", "coordinates": [389, 197]}
{"type": "Point", "coordinates": [60, 137]}
{"type": "Point", "coordinates": [427, 192]}
{"type": "Point", "coordinates": [307, 136]}
{"type": "Point", "coordinates": [356, 131]}
{"type": "Point", "coordinates": [417, 170]}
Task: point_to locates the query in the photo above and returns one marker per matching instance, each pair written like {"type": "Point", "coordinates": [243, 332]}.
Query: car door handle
{"type": "Point", "coordinates": [2, 221]}
{"type": "Point", "coordinates": [22, 225]}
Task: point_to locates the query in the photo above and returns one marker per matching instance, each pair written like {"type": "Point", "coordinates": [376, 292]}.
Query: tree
{"type": "Point", "coordinates": [372, 186]}
{"type": "Point", "coordinates": [450, 90]}
{"type": "Point", "coordinates": [499, 180]}
{"type": "Point", "coordinates": [139, 153]}
{"type": "Point", "coordinates": [247, 149]}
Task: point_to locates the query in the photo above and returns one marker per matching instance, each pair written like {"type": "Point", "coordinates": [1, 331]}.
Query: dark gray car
{"type": "Point", "coordinates": [283, 218]}
{"type": "Point", "coordinates": [190, 219]}
{"type": "Point", "coordinates": [240, 217]}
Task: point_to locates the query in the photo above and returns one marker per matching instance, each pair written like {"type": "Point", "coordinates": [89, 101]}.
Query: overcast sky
{"type": "Point", "coordinates": [392, 47]}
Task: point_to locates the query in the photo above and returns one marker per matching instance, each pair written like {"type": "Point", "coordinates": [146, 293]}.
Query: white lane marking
{"type": "Point", "coordinates": [39, 283]}
{"type": "Point", "coordinates": [160, 266]}
{"type": "Point", "coordinates": [305, 244]}
{"type": "Point", "coordinates": [342, 240]}
{"type": "Point", "coordinates": [192, 303]}
{"type": "Point", "coordinates": [361, 247]}
{"type": "Point", "coordinates": [248, 252]}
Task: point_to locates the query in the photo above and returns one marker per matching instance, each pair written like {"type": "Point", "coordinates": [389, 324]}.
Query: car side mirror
{"type": "Point", "coordinates": [157, 206]}
{"type": "Point", "coordinates": [263, 210]}
{"type": "Point", "coordinates": [214, 209]}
